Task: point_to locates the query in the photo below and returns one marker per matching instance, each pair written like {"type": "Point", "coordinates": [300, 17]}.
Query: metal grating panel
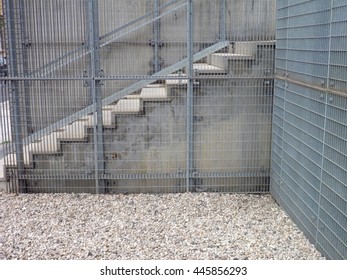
{"type": "Point", "coordinates": [309, 136]}
{"type": "Point", "coordinates": [112, 96]}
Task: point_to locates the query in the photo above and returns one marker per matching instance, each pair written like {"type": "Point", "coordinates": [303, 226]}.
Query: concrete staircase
{"type": "Point", "coordinates": [77, 131]}
{"type": "Point", "coordinates": [239, 58]}
{"type": "Point", "coordinates": [220, 63]}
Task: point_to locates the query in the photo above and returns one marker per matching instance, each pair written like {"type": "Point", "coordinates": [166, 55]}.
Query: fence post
{"type": "Point", "coordinates": [95, 88]}
{"type": "Point", "coordinates": [190, 97]}
{"type": "Point", "coordinates": [222, 20]}
{"type": "Point", "coordinates": [12, 28]}
{"type": "Point", "coordinates": [156, 35]}
{"type": "Point", "coordinates": [25, 40]}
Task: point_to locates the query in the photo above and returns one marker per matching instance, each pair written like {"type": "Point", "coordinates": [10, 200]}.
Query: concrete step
{"type": "Point", "coordinates": [179, 79]}
{"type": "Point", "coordinates": [11, 160]}
{"type": "Point", "coordinates": [2, 169]}
{"type": "Point", "coordinates": [207, 69]}
{"type": "Point", "coordinates": [245, 51]}
{"type": "Point", "coordinates": [154, 93]}
{"type": "Point", "coordinates": [249, 47]}
{"type": "Point", "coordinates": [128, 107]}
{"type": "Point", "coordinates": [222, 60]}
{"type": "Point", "coordinates": [76, 131]}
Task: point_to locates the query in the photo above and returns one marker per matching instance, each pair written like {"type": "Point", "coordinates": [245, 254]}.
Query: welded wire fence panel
{"type": "Point", "coordinates": [138, 96]}
{"type": "Point", "coordinates": [309, 147]}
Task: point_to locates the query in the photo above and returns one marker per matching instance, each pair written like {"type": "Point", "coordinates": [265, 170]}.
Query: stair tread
{"type": "Point", "coordinates": [205, 68]}
{"type": "Point", "coordinates": [154, 92]}
{"type": "Point", "coordinates": [234, 55]}
{"type": "Point", "coordinates": [128, 106]}
{"type": "Point", "coordinates": [47, 144]}
{"type": "Point", "coordinates": [181, 79]}
{"type": "Point", "coordinates": [262, 42]}
{"type": "Point", "coordinates": [74, 130]}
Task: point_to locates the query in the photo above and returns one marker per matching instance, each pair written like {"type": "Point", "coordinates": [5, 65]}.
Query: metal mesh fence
{"type": "Point", "coordinates": [309, 146]}
{"type": "Point", "coordinates": [115, 96]}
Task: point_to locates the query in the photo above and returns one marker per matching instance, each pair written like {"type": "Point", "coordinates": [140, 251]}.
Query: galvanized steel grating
{"type": "Point", "coordinates": [309, 132]}
{"type": "Point", "coordinates": [153, 96]}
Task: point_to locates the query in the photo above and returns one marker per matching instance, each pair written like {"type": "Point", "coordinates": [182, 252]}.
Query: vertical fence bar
{"type": "Point", "coordinates": [190, 96]}
{"type": "Point", "coordinates": [95, 88]}
{"type": "Point", "coordinates": [13, 72]}
{"type": "Point", "coordinates": [222, 22]}
{"type": "Point", "coordinates": [25, 45]}
{"type": "Point", "coordinates": [318, 223]}
{"type": "Point", "coordinates": [156, 35]}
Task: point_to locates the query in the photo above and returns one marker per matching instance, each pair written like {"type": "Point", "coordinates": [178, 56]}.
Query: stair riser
{"type": "Point", "coordinates": [218, 61]}
{"type": "Point", "coordinates": [246, 48]}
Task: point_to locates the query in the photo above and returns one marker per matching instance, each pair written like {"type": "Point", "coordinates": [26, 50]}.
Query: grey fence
{"type": "Point", "coordinates": [117, 96]}
{"type": "Point", "coordinates": [309, 140]}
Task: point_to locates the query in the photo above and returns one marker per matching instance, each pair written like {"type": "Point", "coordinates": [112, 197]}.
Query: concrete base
{"type": "Point", "coordinates": [2, 185]}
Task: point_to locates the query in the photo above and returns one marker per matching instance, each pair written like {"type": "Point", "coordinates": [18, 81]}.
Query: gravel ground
{"type": "Point", "coordinates": [169, 226]}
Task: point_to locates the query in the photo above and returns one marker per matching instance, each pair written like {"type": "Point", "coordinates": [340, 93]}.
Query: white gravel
{"type": "Point", "coordinates": [168, 226]}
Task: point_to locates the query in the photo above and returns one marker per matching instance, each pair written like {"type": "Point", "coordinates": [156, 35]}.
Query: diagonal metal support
{"type": "Point", "coordinates": [122, 93]}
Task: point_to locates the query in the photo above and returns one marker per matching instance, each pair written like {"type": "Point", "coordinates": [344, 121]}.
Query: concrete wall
{"type": "Point", "coordinates": [54, 28]}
